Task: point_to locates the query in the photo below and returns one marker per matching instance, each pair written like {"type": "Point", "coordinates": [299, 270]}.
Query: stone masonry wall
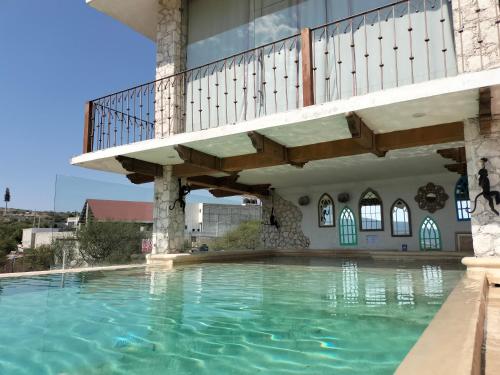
{"type": "Point", "coordinates": [171, 40]}
{"type": "Point", "coordinates": [477, 34]}
{"type": "Point", "coordinates": [485, 224]}
{"type": "Point", "coordinates": [289, 235]}
{"type": "Point", "coordinates": [168, 225]}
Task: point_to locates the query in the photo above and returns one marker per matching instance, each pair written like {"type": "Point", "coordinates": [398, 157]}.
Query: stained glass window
{"type": "Point", "coordinates": [400, 219]}
{"type": "Point", "coordinates": [347, 228]}
{"type": "Point", "coordinates": [462, 201]}
{"type": "Point", "coordinates": [326, 212]}
{"type": "Point", "coordinates": [370, 211]}
{"type": "Point", "coordinates": [430, 237]}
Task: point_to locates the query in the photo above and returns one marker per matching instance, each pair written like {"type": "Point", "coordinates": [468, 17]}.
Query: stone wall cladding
{"type": "Point", "coordinates": [289, 235]}
{"type": "Point", "coordinates": [168, 225]}
{"type": "Point", "coordinates": [171, 41]}
{"type": "Point", "coordinates": [485, 224]}
{"type": "Point", "coordinates": [477, 34]}
{"type": "Point", "coordinates": [171, 37]}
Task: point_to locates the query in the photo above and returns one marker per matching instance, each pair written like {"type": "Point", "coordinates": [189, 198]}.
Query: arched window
{"type": "Point", "coordinates": [326, 211]}
{"type": "Point", "coordinates": [400, 219]}
{"type": "Point", "coordinates": [370, 211]}
{"type": "Point", "coordinates": [347, 228]}
{"type": "Point", "coordinates": [430, 237]}
{"type": "Point", "coordinates": [462, 200]}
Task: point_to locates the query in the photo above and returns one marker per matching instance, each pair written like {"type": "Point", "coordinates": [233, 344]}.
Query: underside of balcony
{"type": "Point", "coordinates": [395, 132]}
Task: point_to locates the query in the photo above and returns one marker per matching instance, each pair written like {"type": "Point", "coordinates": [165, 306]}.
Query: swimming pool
{"type": "Point", "coordinates": [293, 316]}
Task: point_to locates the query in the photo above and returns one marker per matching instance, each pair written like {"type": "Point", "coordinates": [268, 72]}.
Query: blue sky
{"type": "Point", "coordinates": [54, 56]}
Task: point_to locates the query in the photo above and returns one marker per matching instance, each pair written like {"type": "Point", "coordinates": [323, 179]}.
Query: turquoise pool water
{"type": "Point", "coordinates": [282, 316]}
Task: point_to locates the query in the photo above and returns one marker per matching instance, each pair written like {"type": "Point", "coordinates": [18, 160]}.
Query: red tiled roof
{"type": "Point", "coordinates": [124, 211]}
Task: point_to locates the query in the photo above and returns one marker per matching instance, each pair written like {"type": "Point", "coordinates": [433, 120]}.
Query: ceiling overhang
{"type": "Point", "coordinates": [139, 15]}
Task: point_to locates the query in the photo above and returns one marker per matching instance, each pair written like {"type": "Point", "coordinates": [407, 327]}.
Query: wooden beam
{"type": "Point", "coordinates": [362, 134]}
{"type": "Point", "coordinates": [489, 108]}
{"type": "Point", "coordinates": [218, 193]}
{"type": "Point", "coordinates": [265, 146]}
{"type": "Point", "coordinates": [460, 168]}
{"type": "Point", "coordinates": [137, 178]}
{"type": "Point", "coordinates": [271, 150]}
{"type": "Point", "coordinates": [456, 154]}
{"type": "Point", "coordinates": [190, 170]}
{"type": "Point", "coordinates": [436, 134]}
{"type": "Point", "coordinates": [307, 67]}
{"type": "Point", "coordinates": [227, 184]}
{"type": "Point", "coordinates": [198, 159]}
{"type": "Point", "coordinates": [428, 135]}
{"type": "Point", "coordinates": [140, 166]}
{"type": "Point", "coordinates": [87, 128]}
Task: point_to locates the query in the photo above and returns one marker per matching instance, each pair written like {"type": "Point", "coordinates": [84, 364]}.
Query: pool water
{"type": "Point", "coordinates": [281, 316]}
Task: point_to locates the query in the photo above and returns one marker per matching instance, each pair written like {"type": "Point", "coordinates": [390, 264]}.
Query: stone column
{"type": "Point", "coordinates": [477, 34]}
{"type": "Point", "coordinates": [485, 223]}
{"type": "Point", "coordinates": [171, 38]}
{"type": "Point", "coordinates": [168, 225]}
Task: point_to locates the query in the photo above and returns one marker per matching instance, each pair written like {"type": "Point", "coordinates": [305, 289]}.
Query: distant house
{"type": "Point", "coordinates": [117, 211]}
{"type": "Point", "coordinates": [36, 237]}
{"type": "Point", "coordinates": [201, 218]}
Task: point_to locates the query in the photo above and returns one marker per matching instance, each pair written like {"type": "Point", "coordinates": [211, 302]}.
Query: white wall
{"type": "Point", "coordinates": [389, 190]}
{"type": "Point", "coordinates": [46, 238]}
{"type": "Point", "coordinates": [29, 234]}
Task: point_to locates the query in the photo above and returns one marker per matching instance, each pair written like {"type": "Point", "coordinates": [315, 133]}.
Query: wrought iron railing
{"type": "Point", "coordinates": [248, 85]}
{"type": "Point", "coordinates": [403, 43]}
{"type": "Point", "coordinates": [406, 42]}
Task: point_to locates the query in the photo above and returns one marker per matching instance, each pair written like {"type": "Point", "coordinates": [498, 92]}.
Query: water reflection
{"type": "Point", "coordinates": [350, 282]}
{"type": "Point", "coordinates": [375, 291]}
{"type": "Point", "coordinates": [404, 287]}
{"type": "Point", "coordinates": [433, 281]}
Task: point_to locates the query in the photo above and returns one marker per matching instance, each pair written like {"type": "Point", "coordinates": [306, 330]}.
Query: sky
{"type": "Point", "coordinates": [54, 56]}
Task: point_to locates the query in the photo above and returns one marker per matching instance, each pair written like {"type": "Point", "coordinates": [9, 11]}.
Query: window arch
{"type": "Point", "coordinates": [462, 200]}
{"type": "Point", "coordinates": [400, 219]}
{"type": "Point", "coordinates": [326, 211]}
{"type": "Point", "coordinates": [370, 211]}
{"type": "Point", "coordinates": [347, 228]}
{"type": "Point", "coordinates": [430, 236]}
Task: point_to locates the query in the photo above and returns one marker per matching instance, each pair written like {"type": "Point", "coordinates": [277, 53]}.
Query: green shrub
{"type": "Point", "coordinates": [42, 257]}
{"type": "Point", "coordinates": [108, 242]}
{"type": "Point", "coordinates": [66, 249]}
{"type": "Point", "coordinates": [245, 237]}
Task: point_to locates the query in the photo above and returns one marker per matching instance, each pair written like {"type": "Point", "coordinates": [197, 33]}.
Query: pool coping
{"type": "Point", "coordinates": [70, 270]}
{"type": "Point", "coordinates": [170, 260]}
{"type": "Point", "coordinates": [451, 343]}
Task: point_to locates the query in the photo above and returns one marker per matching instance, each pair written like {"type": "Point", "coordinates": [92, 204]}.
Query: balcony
{"type": "Point", "coordinates": [401, 44]}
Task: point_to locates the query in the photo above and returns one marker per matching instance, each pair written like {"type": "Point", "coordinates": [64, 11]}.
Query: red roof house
{"type": "Point", "coordinates": [120, 211]}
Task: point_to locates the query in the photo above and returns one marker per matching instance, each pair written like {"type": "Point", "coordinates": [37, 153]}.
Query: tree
{"type": "Point", "coordinates": [6, 199]}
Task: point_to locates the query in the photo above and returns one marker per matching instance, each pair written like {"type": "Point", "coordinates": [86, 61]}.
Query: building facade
{"type": "Point", "coordinates": [358, 124]}
{"type": "Point", "coordinates": [215, 220]}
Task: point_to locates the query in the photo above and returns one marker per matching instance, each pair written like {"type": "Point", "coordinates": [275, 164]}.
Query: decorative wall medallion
{"type": "Point", "coordinates": [304, 200]}
{"type": "Point", "coordinates": [431, 197]}
{"type": "Point", "coordinates": [343, 197]}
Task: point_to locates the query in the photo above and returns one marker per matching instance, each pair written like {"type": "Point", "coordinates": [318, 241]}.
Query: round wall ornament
{"type": "Point", "coordinates": [343, 197]}
{"type": "Point", "coordinates": [304, 200]}
{"type": "Point", "coordinates": [431, 197]}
